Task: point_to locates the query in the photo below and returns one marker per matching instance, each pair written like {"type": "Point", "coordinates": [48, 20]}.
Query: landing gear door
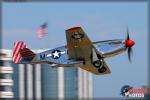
{"type": "Point", "coordinates": [106, 66]}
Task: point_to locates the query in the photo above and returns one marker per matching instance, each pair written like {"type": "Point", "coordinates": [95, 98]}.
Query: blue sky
{"type": "Point", "coordinates": [100, 20]}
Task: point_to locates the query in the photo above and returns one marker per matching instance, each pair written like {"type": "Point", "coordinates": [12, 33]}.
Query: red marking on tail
{"type": "Point", "coordinates": [16, 53]}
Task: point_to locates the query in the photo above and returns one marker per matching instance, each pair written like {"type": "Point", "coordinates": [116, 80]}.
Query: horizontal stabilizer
{"type": "Point", "coordinates": [21, 51]}
{"type": "Point", "coordinates": [27, 53]}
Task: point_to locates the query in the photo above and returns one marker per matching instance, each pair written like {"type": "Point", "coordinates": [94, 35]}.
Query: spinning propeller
{"type": "Point", "coordinates": [129, 43]}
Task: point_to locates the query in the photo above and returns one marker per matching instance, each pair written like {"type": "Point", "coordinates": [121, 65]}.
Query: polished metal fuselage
{"type": "Point", "coordinates": [106, 49]}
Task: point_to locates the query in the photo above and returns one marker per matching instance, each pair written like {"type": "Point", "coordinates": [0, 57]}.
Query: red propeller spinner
{"type": "Point", "coordinates": [129, 43]}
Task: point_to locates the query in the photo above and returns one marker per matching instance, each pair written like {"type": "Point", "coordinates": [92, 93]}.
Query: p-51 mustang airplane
{"type": "Point", "coordinates": [79, 52]}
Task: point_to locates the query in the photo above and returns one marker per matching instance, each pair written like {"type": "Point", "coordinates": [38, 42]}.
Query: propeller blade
{"type": "Point", "coordinates": [128, 37]}
{"type": "Point", "coordinates": [130, 53]}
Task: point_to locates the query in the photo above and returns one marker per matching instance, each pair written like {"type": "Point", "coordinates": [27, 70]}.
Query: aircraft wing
{"type": "Point", "coordinates": [80, 48]}
{"type": "Point", "coordinates": [91, 68]}
{"type": "Point", "coordinates": [78, 44]}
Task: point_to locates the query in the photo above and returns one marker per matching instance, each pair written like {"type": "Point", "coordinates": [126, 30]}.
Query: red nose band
{"type": "Point", "coordinates": [129, 43]}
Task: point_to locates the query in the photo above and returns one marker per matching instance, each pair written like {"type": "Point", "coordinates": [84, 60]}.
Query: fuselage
{"type": "Point", "coordinates": [59, 55]}
{"type": "Point", "coordinates": [110, 48]}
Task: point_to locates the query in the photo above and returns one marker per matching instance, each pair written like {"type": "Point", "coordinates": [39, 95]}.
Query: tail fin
{"type": "Point", "coordinates": [21, 51]}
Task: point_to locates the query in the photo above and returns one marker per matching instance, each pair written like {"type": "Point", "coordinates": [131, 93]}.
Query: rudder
{"type": "Point", "coordinates": [17, 57]}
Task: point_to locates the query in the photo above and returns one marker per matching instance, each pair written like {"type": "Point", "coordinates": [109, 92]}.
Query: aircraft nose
{"type": "Point", "coordinates": [129, 43]}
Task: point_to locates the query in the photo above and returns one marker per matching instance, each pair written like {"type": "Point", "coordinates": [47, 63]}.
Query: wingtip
{"type": "Point", "coordinates": [73, 28]}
